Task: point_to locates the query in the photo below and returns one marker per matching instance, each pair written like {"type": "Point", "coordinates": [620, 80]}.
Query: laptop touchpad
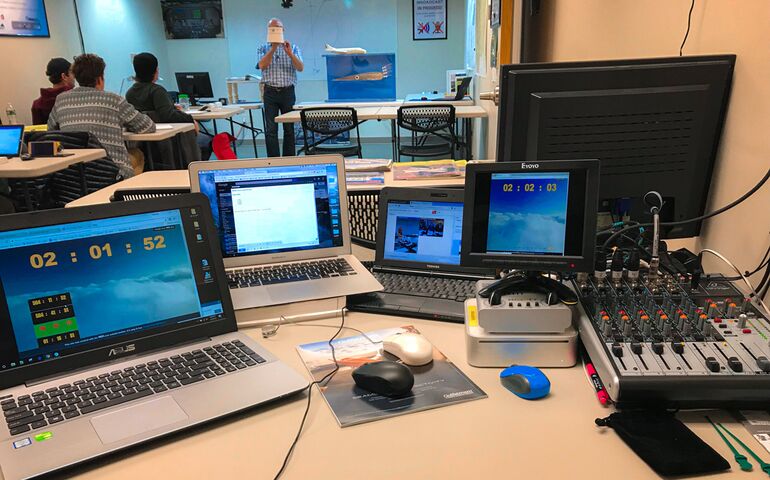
{"type": "Point", "coordinates": [137, 419]}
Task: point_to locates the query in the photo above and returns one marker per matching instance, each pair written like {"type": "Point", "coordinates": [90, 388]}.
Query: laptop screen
{"type": "Point", "coordinates": [272, 209]}
{"type": "Point", "coordinates": [424, 232]}
{"type": "Point", "coordinates": [72, 287]}
{"type": "Point", "coordinates": [10, 140]}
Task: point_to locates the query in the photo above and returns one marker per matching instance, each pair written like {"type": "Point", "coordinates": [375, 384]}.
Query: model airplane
{"type": "Point", "coordinates": [345, 51]}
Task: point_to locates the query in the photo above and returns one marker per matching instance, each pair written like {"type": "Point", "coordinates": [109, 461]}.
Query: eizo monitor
{"type": "Point", "coordinates": [653, 123]}
{"type": "Point", "coordinates": [194, 84]}
{"type": "Point", "coordinates": [531, 216]}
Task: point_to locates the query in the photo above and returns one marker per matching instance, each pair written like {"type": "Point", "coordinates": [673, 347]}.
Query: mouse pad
{"type": "Point", "coordinates": [140, 418]}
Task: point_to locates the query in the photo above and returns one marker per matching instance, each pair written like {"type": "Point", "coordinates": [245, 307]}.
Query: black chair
{"type": "Point", "coordinates": [432, 130]}
{"type": "Point", "coordinates": [77, 180]}
{"type": "Point", "coordinates": [328, 123]}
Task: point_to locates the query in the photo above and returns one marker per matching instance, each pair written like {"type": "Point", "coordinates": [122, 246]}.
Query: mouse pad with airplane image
{"type": "Point", "coordinates": [436, 384]}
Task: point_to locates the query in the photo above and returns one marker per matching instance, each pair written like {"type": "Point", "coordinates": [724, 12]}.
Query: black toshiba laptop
{"type": "Point", "coordinates": [417, 258]}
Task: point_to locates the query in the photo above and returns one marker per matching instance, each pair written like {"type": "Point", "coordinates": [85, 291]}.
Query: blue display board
{"type": "Point", "coordinates": [361, 78]}
{"type": "Point", "coordinates": [23, 18]}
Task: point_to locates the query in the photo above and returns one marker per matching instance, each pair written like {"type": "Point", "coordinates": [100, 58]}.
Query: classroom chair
{"type": "Point", "coordinates": [432, 129]}
{"type": "Point", "coordinates": [320, 124]}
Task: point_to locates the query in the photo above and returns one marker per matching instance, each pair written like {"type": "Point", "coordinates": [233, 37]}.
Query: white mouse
{"type": "Point", "coordinates": [412, 348]}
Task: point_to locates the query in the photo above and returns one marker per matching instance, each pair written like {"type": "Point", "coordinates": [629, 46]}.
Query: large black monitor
{"type": "Point", "coordinates": [654, 123]}
{"type": "Point", "coordinates": [194, 84]}
{"type": "Point", "coordinates": [533, 216]}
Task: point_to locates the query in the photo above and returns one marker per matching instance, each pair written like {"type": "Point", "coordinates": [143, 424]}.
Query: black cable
{"type": "Point", "coordinates": [762, 264]}
{"type": "Point", "coordinates": [692, 220]}
{"type": "Point", "coordinates": [687, 33]}
{"type": "Point", "coordinates": [309, 388]}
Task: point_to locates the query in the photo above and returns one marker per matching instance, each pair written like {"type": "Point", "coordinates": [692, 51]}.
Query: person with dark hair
{"type": "Point", "coordinates": [58, 72]}
{"type": "Point", "coordinates": [150, 98]}
{"type": "Point", "coordinates": [88, 108]}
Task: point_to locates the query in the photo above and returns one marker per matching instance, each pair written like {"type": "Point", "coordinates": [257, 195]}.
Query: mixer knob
{"type": "Point", "coordinates": [636, 347]}
{"type": "Point", "coordinates": [678, 347]}
{"type": "Point", "coordinates": [731, 308]}
{"type": "Point", "coordinates": [667, 329]}
{"type": "Point", "coordinates": [687, 328]}
{"type": "Point", "coordinates": [712, 310]}
{"type": "Point", "coordinates": [706, 328]}
{"type": "Point", "coordinates": [764, 364]}
{"type": "Point", "coordinates": [712, 364]}
{"type": "Point", "coordinates": [657, 347]}
{"type": "Point", "coordinates": [742, 320]}
{"type": "Point", "coordinates": [617, 350]}
{"type": "Point", "coordinates": [735, 364]}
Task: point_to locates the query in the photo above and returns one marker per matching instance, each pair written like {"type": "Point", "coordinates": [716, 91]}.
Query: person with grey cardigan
{"type": "Point", "coordinates": [88, 108]}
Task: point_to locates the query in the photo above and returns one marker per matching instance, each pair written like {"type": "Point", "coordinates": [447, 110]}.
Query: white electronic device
{"type": "Point", "coordinates": [275, 35]}
{"type": "Point", "coordinates": [526, 312]}
{"type": "Point", "coordinates": [411, 348]}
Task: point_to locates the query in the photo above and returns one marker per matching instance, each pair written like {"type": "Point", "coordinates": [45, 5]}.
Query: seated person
{"type": "Point", "coordinates": [58, 72]}
{"type": "Point", "coordinates": [88, 108]}
{"type": "Point", "coordinates": [149, 97]}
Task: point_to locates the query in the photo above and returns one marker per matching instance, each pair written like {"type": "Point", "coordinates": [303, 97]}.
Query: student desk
{"type": "Point", "coordinates": [249, 107]}
{"type": "Point", "coordinates": [181, 179]}
{"type": "Point", "coordinates": [163, 131]}
{"type": "Point", "coordinates": [491, 438]}
{"type": "Point", "coordinates": [222, 113]}
{"type": "Point", "coordinates": [27, 170]}
{"type": "Point", "coordinates": [389, 111]}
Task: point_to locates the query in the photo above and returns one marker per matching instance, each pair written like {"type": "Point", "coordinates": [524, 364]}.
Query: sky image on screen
{"type": "Point", "coordinates": [528, 213]}
{"type": "Point", "coordinates": [114, 292]}
{"type": "Point", "coordinates": [424, 232]}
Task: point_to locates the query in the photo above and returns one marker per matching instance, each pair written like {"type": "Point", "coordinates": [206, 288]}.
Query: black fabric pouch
{"type": "Point", "coordinates": [664, 443]}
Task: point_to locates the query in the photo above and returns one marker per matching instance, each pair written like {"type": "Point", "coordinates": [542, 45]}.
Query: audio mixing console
{"type": "Point", "coordinates": [674, 341]}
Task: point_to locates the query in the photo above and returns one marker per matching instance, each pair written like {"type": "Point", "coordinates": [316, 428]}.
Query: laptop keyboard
{"type": "Point", "coordinates": [54, 405]}
{"type": "Point", "coordinates": [290, 272]}
{"type": "Point", "coordinates": [431, 287]}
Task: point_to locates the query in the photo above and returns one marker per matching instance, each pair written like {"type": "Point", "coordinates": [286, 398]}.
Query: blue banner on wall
{"type": "Point", "coordinates": [359, 78]}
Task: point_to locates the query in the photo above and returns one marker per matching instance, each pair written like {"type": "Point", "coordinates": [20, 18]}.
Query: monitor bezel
{"type": "Point", "coordinates": [308, 254]}
{"type": "Point", "coordinates": [20, 128]}
{"type": "Point", "coordinates": [568, 263]}
{"type": "Point", "coordinates": [119, 349]}
{"type": "Point", "coordinates": [406, 194]}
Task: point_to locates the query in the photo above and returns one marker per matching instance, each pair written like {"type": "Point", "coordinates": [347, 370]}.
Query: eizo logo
{"type": "Point", "coordinates": [530, 165]}
{"type": "Point", "coordinates": [122, 350]}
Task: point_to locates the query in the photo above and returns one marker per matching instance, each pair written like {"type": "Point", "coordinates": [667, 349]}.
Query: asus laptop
{"type": "Point", "coordinates": [417, 256]}
{"type": "Point", "coordinates": [117, 328]}
{"type": "Point", "coordinates": [283, 228]}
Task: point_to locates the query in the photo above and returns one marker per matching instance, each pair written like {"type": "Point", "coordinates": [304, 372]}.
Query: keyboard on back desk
{"type": "Point", "coordinates": [423, 286]}
{"type": "Point", "coordinates": [289, 272]}
{"type": "Point", "coordinates": [57, 404]}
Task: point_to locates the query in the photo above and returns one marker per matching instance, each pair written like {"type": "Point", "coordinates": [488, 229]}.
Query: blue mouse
{"type": "Point", "coordinates": [525, 382]}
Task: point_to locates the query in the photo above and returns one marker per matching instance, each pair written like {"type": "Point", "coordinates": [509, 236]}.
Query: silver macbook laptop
{"type": "Point", "coordinates": [116, 327]}
{"type": "Point", "coordinates": [283, 228]}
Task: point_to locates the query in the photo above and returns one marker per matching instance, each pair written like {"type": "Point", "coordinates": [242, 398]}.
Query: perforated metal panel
{"type": "Point", "coordinates": [363, 214]}
{"type": "Point", "coordinates": [145, 193]}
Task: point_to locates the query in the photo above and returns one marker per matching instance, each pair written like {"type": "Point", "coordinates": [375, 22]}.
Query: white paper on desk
{"type": "Point", "coordinates": [163, 126]}
{"type": "Point", "coordinates": [757, 423]}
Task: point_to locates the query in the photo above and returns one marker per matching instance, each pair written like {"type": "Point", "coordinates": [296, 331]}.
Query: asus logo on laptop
{"type": "Point", "coordinates": [122, 350]}
{"type": "Point", "coordinates": [530, 165]}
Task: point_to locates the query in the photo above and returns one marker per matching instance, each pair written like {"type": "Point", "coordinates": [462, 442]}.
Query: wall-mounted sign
{"type": "Point", "coordinates": [429, 19]}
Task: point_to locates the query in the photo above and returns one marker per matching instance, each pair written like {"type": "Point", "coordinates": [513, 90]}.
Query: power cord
{"type": "Point", "coordinates": [309, 389]}
{"type": "Point", "coordinates": [752, 290]}
{"type": "Point", "coordinates": [746, 195]}
{"type": "Point", "coordinates": [687, 33]}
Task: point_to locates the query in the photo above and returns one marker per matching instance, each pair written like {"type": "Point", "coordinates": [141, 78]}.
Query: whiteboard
{"type": "Point", "coordinates": [369, 24]}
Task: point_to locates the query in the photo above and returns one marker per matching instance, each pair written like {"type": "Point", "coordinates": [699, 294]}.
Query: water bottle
{"type": "Point", "coordinates": [10, 112]}
{"type": "Point", "coordinates": [184, 101]}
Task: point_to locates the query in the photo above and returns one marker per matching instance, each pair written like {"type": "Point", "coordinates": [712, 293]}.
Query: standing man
{"type": "Point", "coordinates": [279, 63]}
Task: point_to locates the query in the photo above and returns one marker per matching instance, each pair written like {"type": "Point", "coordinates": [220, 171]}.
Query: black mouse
{"type": "Point", "coordinates": [391, 379]}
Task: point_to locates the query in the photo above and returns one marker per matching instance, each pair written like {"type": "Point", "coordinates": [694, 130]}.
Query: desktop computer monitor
{"type": "Point", "coordinates": [194, 84]}
{"type": "Point", "coordinates": [533, 216]}
{"type": "Point", "coordinates": [10, 140]}
{"type": "Point", "coordinates": [654, 124]}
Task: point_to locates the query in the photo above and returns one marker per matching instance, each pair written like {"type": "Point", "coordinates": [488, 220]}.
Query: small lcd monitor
{"type": "Point", "coordinates": [531, 216]}
{"type": "Point", "coordinates": [10, 140]}
{"type": "Point", "coordinates": [195, 85]}
{"type": "Point", "coordinates": [653, 123]}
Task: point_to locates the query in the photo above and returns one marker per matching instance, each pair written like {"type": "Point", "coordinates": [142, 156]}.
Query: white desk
{"type": "Point", "coordinates": [28, 169]}
{"type": "Point", "coordinates": [163, 131]}
{"type": "Point", "coordinates": [249, 107]}
{"type": "Point", "coordinates": [181, 179]}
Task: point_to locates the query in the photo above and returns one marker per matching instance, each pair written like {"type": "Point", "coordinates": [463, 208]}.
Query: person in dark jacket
{"type": "Point", "coordinates": [149, 97]}
{"type": "Point", "coordinates": [58, 72]}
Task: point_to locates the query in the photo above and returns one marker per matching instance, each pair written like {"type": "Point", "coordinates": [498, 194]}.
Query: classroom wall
{"type": "Point", "coordinates": [116, 29]}
{"type": "Point", "coordinates": [24, 59]}
{"type": "Point", "coordinates": [598, 29]}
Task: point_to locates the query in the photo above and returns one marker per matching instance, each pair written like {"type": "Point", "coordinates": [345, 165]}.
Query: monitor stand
{"type": "Point", "coordinates": [528, 282]}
